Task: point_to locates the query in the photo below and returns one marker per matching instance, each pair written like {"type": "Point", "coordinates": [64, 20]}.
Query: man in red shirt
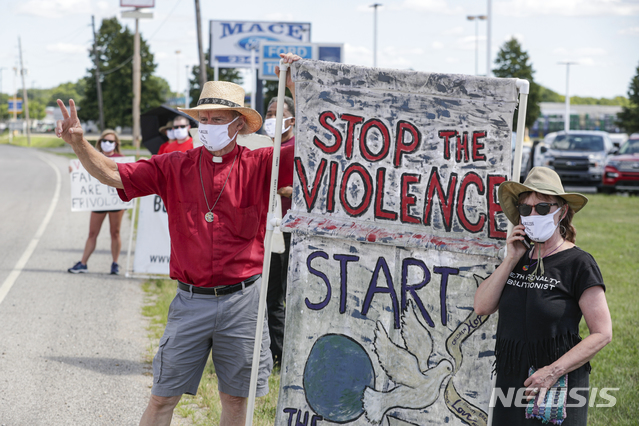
{"type": "Point", "coordinates": [217, 200]}
{"type": "Point", "coordinates": [183, 140]}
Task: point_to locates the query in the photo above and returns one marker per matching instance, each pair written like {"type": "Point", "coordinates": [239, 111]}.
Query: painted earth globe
{"type": "Point", "coordinates": [337, 372]}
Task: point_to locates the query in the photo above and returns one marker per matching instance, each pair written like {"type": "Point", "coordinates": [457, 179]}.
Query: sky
{"type": "Point", "coordinates": [600, 36]}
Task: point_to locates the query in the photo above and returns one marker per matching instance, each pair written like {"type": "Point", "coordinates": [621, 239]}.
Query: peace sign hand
{"type": "Point", "coordinates": [69, 129]}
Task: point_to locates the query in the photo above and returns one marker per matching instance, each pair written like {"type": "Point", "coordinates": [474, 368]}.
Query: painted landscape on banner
{"type": "Point", "coordinates": [395, 222]}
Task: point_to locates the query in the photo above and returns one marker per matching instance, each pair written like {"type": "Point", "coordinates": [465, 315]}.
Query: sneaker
{"type": "Point", "coordinates": [115, 269]}
{"type": "Point", "coordinates": [78, 268]}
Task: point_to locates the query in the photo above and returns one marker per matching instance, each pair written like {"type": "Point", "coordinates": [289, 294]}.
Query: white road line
{"type": "Point", "coordinates": [15, 273]}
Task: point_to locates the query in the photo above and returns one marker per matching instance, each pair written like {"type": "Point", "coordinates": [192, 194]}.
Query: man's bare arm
{"type": "Point", "coordinates": [99, 166]}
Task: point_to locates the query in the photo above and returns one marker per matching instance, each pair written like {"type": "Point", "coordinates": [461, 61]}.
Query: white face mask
{"type": "Point", "coordinates": [540, 228]}
{"type": "Point", "coordinates": [269, 126]}
{"type": "Point", "coordinates": [170, 133]}
{"type": "Point", "coordinates": [215, 137]}
{"type": "Point", "coordinates": [181, 133]}
{"type": "Point", "coordinates": [107, 146]}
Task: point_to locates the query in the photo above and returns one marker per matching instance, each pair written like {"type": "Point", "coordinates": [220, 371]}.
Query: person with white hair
{"type": "Point", "coordinates": [216, 197]}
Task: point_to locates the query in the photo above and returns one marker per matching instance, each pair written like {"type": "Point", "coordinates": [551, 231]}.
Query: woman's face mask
{"type": "Point", "coordinates": [215, 137]}
{"type": "Point", "coordinates": [269, 126]}
{"type": "Point", "coordinates": [181, 133]}
{"type": "Point", "coordinates": [540, 228]}
{"type": "Point", "coordinates": [170, 133]}
{"type": "Point", "coordinates": [107, 146]}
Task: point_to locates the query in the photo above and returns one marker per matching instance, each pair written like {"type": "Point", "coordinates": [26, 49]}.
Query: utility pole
{"type": "Point", "coordinates": [489, 20]}
{"type": "Point", "coordinates": [186, 89]}
{"type": "Point", "coordinates": [137, 92]}
{"type": "Point", "coordinates": [1, 70]}
{"type": "Point", "coordinates": [199, 45]}
{"type": "Point", "coordinates": [375, 6]}
{"type": "Point", "coordinates": [567, 113]}
{"type": "Point", "coordinates": [24, 95]}
{"type": "Point", "coordinates": [477, 18]}
{"type": "Point", "coordinates": [137, 79]}
{"type": "Point", "coordinates": [15, 105]}
{"type": "Point", "coordinates": [98, 83]}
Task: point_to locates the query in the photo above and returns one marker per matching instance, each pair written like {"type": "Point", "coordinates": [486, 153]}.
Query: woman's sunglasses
{"type": "Point", "coordinates": [541, 208]}
{"type": "Point", "coordinates": [106, 140]}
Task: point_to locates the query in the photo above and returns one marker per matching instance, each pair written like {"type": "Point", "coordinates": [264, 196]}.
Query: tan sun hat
{"type": "Point", "coordinates": [225, 96]}
{"type": "Point", "coordinates": [542, 180]}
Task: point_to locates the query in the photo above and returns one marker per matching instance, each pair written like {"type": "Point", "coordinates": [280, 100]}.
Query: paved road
{"type": "Point", "coordinates": [71, 346]}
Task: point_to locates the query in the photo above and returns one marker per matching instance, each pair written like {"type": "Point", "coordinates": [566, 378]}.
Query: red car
{"type": "Point", "coordinates": [622, 169]}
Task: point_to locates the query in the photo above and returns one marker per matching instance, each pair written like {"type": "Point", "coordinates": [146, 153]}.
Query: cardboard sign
{"type": "Point", "coordinates": [88, 194]}
{"type": "Point", "coordinates": [153, 243]}
{"type": "Point", "coordinates": [395, 222]}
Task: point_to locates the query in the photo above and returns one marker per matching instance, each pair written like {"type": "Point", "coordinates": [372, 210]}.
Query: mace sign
{"type": "Point", "coordinates": [232, 41]}
{"type": "Point", "coordinates": [395, 222]}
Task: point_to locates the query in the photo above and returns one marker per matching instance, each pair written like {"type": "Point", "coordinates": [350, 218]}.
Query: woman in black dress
{"type": "Point", "coordinates": [542, 288]}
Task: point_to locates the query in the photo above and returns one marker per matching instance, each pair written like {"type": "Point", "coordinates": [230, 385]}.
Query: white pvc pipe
{"type": "Point", "coordinates": [267, 243]}
{"type": "Point", "coordinates": [131, 232]}
{"type": "Point", "coordinates": [524, 88]}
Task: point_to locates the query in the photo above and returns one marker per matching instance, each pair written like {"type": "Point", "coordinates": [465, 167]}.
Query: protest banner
{"type": "Point", "coordinates": [88, 194]}
{"type": "Point", "coordinates": [395, 222]}
{"type": "Point", "coordinates": [152, 243]}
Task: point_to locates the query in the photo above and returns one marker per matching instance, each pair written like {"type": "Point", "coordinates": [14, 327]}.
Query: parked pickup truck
{"type": "Point", "coordinates": [579, 156]}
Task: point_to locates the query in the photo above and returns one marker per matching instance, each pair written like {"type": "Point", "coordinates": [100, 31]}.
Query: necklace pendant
{"type": "Point", "coordinates": [209, 217]}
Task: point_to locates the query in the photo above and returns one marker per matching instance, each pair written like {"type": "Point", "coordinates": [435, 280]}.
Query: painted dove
{"type": "Point", "coordinates": [417, 385]}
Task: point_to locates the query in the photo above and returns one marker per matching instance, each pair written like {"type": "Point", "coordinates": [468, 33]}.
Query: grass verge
{"type": "Point", "coordinates": [52, 141]}
{"type": "Point", "coordinates": [203, 408]}
{"type": "Point", "coordinates": [608, 228]}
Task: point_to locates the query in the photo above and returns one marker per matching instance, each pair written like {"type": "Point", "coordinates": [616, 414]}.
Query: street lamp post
{"type": "Point", "coordinates": [375, 6]}
{"type": "Point", "coordinates": [177, 73]}
{"type": "Point", "coordinates": [476, 18]}
{"type": "Point", "coordinates": [567, 113]}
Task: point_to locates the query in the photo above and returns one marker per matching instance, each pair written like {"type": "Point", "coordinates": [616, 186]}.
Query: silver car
{"type": "Point", "coordinates": [579, 156]}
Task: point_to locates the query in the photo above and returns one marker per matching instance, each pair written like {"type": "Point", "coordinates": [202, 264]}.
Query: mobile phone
{"type": "Point", "coordinates": [527, 241]}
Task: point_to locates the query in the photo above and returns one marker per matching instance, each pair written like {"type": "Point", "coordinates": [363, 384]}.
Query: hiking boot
{"type": "Point", "coordinates": [115, 269]}
{"type": "Point", "coordinates": [78, 268]}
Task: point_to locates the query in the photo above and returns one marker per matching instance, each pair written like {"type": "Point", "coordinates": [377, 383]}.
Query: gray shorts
{"type": "Point", "coordinates": [199, 324]}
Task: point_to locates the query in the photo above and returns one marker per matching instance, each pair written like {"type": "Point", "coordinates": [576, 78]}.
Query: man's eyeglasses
{"type": "Point", "coordinates": [541, 208]}
{"type": "Point", "coordinates": [179, 127]}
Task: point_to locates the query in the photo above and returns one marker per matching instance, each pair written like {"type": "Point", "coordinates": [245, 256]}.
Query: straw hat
{"type": "Point", "coordinates": [225, 96]}
{"type": "Point", "coordinates": [542, 180]}
{"type": "Point", "coordinates": [167, 126]}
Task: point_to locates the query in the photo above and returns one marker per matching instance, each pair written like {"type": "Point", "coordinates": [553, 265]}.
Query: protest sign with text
{"type": "Point", "coordinates": [88, 194]}
{"type": "Point", "coordinates": [395, 222]}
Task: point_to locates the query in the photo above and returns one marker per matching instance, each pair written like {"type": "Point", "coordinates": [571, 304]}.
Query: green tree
{"type": "Point", "coordinates": [225, 74]}
{"type": "Point", "coordinates": [66, 91]}
{"type": "Point", "coordinates": [36, 109]}
{"type": "Point", "coordinates": [4, 106]}
{"type": "Point", "coordinates": [513, 62]}
{"type": "Point", "coordinates": [270, 92]}
{"type": "Point", "coordinates": [628, 118]}
{"type": "Point", "coordinates": [547, 95]}
{"type": "Point", "coordinates": [115, 57]}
